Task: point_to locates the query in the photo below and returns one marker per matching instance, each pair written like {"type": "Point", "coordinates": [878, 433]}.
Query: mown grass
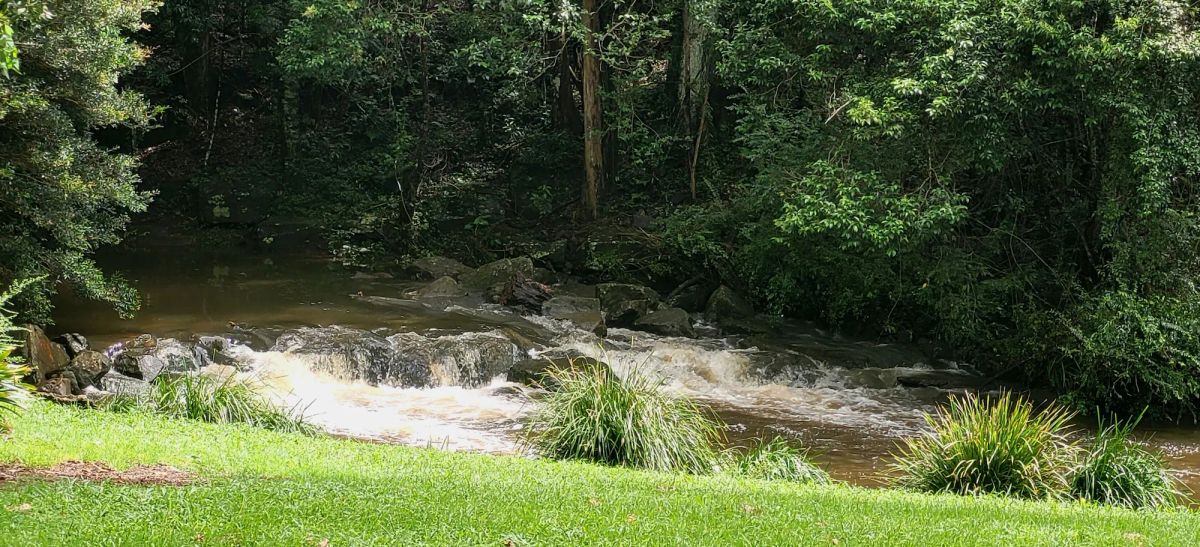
{"type": "Point", "coordinates": [267, 488]}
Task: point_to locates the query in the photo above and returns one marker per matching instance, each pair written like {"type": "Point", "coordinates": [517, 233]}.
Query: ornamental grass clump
{"type": "Point", "coordinates": [223, 400]}
{"type": "Point", "coordinates": [778, 460]}
{"type": "Point", "coordinates": [997, 445]}
{"type": "Point", "coordinates": [1115, 470]}
{"type": "Point", "coordinates": [594, 415]}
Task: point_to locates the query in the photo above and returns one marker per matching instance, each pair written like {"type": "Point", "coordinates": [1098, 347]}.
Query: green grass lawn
{"type": "Point", "coordinates": [258, 487]}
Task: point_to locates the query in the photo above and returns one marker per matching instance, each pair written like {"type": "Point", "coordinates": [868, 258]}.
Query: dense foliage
{"type": "Point", "coordinates": [12, 369]}
{"type": "Point", "coordinates": [1014, 181]}
{"type": "Point", "coordinates": [61, 194]}
{"type": "Point", "coordinates": [990, 446]}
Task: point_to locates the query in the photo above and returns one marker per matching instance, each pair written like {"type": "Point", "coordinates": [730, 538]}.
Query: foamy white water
{"type": "Point", "coordinates": [450, 417]}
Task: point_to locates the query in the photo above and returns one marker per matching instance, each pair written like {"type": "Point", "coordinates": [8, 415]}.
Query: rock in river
{"type": "Point", "coordinates": [533, 371]}
{"type": "Point", "coordinates": [725, 304]}
{"type": "Point", "coordinates": [623, 304]}
{"type": "Point", "coordinates": [492, 277]}
{"type": "Point", "coordinates": [434, 267]}
{"type": "Point", "coordinates": [666, 322]}
{"type": "Point", "coordinates": [442, 287]}
{"type": "Point", "coordinates": [583, 312]}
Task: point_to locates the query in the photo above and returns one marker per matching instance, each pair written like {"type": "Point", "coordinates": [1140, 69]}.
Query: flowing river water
{"type": "Point", "coordinates": [302, 325]}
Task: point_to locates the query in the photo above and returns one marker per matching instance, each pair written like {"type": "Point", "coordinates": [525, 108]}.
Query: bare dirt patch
{"type": "Point", "coordinates": [144, 475]}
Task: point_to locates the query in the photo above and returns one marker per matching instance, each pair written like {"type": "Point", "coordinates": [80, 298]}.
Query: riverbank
{"type": "Point", "coordinates": [238, 485]}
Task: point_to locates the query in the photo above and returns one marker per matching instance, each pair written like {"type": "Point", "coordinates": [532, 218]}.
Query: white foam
{"type": "Point", "coordinates": [451, 417]}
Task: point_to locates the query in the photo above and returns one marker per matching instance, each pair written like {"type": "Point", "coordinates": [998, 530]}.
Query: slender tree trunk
{"type": "Point", "coordinates": [593, 129]}
{"type": "Point", "coordinates": [693, 84]}
{"type": "Point", "coordinates": [693, 74]}
{"type": "Point", "coordinates": [412, 188]}
{"type": "Point", "coordinates": [566, 113]}
{"type": "Point", "coordinates": [291, 123]}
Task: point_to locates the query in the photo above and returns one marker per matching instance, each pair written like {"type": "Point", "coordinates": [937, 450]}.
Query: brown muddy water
{"type": "Point", "coordinates": [800, 383]}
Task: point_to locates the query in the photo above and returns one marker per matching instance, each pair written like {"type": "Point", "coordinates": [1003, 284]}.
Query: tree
{"type": "Point", "coordinates": [61, 195]}
{"type": "Point", "coordinates": [1018, 180]}
{"type": "Point", "coordinates": [593, 112]}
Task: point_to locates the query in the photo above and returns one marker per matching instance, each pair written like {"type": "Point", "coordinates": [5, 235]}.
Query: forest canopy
{"type": "Point", "coordinates": [1013, 181]}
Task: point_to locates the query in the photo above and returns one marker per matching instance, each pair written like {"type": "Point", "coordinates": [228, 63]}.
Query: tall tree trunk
{"type": "Point", "coordinates": [412, 183]}
{"type": "Point", "coordinates": [593, 124]}
{"type": "Point", "coordinates": [566, 113]}
{"type": "Point", "coordinates": [693, 72]}
{"type": "Point", "coordinates": [693, 83]}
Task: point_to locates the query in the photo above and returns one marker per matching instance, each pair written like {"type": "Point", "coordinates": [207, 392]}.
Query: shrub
{"type": "Point", "coordinates": [595, 416]}
{"type": "Point", "coordinates": [223, 400]}
{"type": "Point", "coordinates": [1122, 352]}
{"type": "Point", "coordinates": [1115, 470]}
{"type": "Point", "coordinates": [12, 370]}
{"type": "Point", "coordinates": [778, 460]}
{"type": "Point", "coordinates": [990, 446]}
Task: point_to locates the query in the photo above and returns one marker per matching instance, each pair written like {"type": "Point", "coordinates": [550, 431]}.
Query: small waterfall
{"type": "Point", "coordinates": [480, 419]}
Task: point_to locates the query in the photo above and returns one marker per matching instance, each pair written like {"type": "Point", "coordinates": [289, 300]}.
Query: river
{"type": "Point", "coordinates": [802, 383]}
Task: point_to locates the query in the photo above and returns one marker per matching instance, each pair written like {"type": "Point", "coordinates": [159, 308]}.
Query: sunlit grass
{"type": "Point", "coordinates": [259, 487]}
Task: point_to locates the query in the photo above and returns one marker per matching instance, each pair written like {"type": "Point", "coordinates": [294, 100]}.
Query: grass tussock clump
{"type": "Point", "coordinates": [995, 445]}
{"type": "Point", "coordinates": [223, 400]}
{"type": "Point", "coordinates": [594, 415]}
{"type": "Point", "coordinates": [1115, 470]}
{"type": "Point", "coordinates": [778, 460]}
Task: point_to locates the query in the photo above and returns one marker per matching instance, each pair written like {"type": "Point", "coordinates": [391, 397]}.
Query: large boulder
{"type": "Point", "coordinates": [692, 296]}
{"type": "Point", "coordinates": [74, 343]}
{"type": "Point", "coordinates": [215, 350]}
{"type": "Point", "coordinates": [41, 355]}
{"type": "Point", "coordinates": [535, 371]}
{"type": "Point", "coordinates": [126, 386]}
{"type": "Point", "coordinates": [407, 359]}
{"type": "Point", "coordinates": [354, 354]}
{"type": "Point", "coordinates": [470, 360]}
{"type": "Point", "coordinates": [623, 303]}
{"type": "Point", "coordinates": [583, 312]}
{"type": "Point", "coordinates": [524, 293]}
{"type": "Point", "coordinates": [434, 267]}
{"type": "Point", "coordinates": [724, 304]}
{"type": "Point", "coordinates": [491, 278]}
{"type": "Point", "coordinates": [88, 368]}
{"type": "Point", "coordinates": [667, 322]}
{"type": "Point", "coordinates": [442, 287]}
